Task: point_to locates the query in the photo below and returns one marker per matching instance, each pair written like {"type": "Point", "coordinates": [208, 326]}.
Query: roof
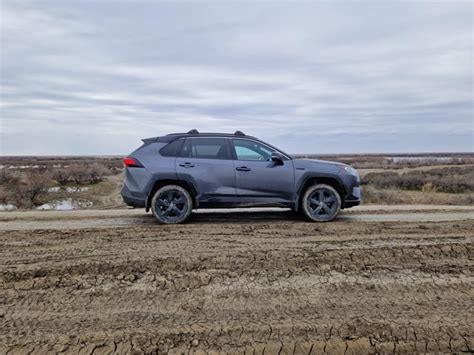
{"type": "Point", "coordinates": [193, 133]}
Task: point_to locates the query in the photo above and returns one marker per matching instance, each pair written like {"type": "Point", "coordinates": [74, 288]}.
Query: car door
{"type": "Point", "coordinates": [208, 164]}
{"type": "Point", "coordinates": [257, 176]}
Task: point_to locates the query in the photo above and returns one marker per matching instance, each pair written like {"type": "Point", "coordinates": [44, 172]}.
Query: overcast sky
{"type": "Point", "coordinates": [94, 77]}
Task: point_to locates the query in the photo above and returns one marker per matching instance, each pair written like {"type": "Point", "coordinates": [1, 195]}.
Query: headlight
{"type": "Point", "coordinates": [350, 170]}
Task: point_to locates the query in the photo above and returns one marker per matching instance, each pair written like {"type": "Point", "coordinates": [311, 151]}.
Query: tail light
{"type": "Point", "coordinates": [131, 163]}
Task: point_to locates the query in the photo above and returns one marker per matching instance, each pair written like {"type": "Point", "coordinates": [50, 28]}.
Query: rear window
{"type": "Point", "coordinates": [172, 149]}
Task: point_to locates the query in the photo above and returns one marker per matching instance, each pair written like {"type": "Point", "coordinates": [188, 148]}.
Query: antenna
{"type": "Point", "coordinates": [193, 131]}
{"type": "Point", "coordinates": [239, 133]}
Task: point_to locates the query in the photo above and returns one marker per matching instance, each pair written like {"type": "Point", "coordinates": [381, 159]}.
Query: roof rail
{"type": "Point", "coordinates": [239, 133]}
{"type": "Point", "coordinates": [193, 131]}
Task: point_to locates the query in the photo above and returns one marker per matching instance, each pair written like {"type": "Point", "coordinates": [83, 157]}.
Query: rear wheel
{"type": "Point", "coordinates": [321, 203]}
{"type": "Point", "coordinates": [171, 204]}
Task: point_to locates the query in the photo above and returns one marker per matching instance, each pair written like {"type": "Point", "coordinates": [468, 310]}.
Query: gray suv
{"type": "Point", "coordinates": [173, 174]}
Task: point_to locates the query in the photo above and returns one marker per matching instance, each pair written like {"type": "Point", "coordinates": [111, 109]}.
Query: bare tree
{"type": "Point", "coordinates": [81, 174]}
{"type": "Point", "coordinates": [32, 188]}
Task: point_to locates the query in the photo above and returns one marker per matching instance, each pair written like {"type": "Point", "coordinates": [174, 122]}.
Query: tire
{"type": "Point", "coordinates": [171, 204]}
{"type": "Point", "coordinates": [316, 211]}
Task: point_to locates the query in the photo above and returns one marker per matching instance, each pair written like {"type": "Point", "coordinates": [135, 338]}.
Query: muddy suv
{"type": "Point", "coordinates": [176, 173]}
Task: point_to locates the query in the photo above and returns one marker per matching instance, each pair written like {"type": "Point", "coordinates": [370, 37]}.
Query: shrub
{"type": "Point", "coordinates": [61, 175]}
{"type": "Point", "coordinates": [96, 173]}
{"type": "Point", "coordinates": [4, 195]}
{"type": "Point", "coordinates": [81, 174]}
{"type": "Point", "coordinates": [372, 194]}
{"type": "Point", "coordinates": [29, 191]}
{"type": "Point", "coordinates": [453, 179]}
{"type": "Point", "coordinates": [8, 177]}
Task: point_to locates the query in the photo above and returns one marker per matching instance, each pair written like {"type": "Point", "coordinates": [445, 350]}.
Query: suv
{"type": "Point", "coordinates": [173, 174]}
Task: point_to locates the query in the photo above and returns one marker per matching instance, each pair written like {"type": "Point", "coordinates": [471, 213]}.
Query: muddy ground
{"type": "Point", "coordinates": [237, 283]}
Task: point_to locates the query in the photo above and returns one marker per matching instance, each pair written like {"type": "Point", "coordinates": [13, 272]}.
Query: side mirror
{"type": "Point", "coordinates": [277, 158]}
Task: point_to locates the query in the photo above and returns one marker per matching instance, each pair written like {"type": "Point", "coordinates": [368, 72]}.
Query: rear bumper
{"type": "Point", "coordinates": [130, 199]}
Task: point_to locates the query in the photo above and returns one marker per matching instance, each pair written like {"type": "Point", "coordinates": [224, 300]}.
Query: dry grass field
{"type": "Point", "coordinates": [384, 278]}
{"type": "Point", "coordinates": [94, 182]}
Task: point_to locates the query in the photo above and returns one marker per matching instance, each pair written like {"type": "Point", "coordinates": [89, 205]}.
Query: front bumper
{"type": "Point", "coordinates": [353, 198]}
{"type": "Point", "coordinates": [351, 203]}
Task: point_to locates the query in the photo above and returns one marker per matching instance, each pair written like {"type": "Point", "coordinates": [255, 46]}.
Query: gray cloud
{"type": "Point", "coordinates": [95, 77]}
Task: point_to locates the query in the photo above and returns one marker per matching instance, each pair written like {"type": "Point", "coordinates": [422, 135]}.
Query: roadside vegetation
{"type": "Point", "coordinates": [448, 179]}
{"type": "Point", "coordinates": [447, 185]}
{"type": "Point", "coordinates": [395, 162]}
{"type": "Point", "coordinates": [30, 182]}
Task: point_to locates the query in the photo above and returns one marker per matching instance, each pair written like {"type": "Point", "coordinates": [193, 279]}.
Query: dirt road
{"type": "Point", "coordinates": [114, 281]}
{"type": "Point", "coordinates": [133, 217]}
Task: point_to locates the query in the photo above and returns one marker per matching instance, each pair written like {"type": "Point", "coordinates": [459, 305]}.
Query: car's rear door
{"type": "Point", "coordinates": [207, 163]}
{"type": "Point", "coordinates": [258, 178]}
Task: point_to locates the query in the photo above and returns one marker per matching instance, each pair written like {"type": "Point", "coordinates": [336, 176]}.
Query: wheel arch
{"type": "Point", "coordinates": [160, 182]}
{"type": "Point", "coordinates": [312, 179]}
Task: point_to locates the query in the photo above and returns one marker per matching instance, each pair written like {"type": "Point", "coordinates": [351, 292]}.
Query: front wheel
{"type": "Point", "coordinates": [321, 203]}
{"type": "Point", "coordinates": [171, 204]}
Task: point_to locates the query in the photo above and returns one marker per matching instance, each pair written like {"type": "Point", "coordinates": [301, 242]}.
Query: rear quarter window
{"type": "Point", "coordinates": [172, 149]}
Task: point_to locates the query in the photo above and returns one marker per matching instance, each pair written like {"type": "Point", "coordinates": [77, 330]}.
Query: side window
{"type": "Point", "coordinates": [172, 149]}
{"type": "Point", "coordinates": [249, 150]}
{"type": "Point", "coordinates": [205, 148]}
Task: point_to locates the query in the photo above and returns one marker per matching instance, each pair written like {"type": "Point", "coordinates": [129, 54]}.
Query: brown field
{"type": "Point", "coordinates": [434, 178]}
{"type": "Point", "coordinates": [381, 279]}
{"type": "Point", "coordinates": [264, 282]}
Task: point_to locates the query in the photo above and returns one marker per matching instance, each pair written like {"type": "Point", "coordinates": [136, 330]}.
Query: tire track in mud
{"type": "Point", "coordinates": [80, 219]}
{"type": "Point", "coordinates": [256, 288]}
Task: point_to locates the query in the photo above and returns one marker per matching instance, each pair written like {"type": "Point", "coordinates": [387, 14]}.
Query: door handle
{"type": "Point", "coordinates": [187, 165]}
{"type": "Point", "coordinates": [242, 168]}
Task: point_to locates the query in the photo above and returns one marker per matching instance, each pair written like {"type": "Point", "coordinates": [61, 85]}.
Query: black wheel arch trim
{"type": "Point", "coordinates": [180, 179]}
{"type": "Point", "coordinates": [308, 176]}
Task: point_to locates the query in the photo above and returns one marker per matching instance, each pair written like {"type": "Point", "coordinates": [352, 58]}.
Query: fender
{"type": "Point", "coordinates": [312, 175]}
{"type": "Point", "coordinates": [188, 180]}
{"type": "Point", "coordinates": [192, 183]}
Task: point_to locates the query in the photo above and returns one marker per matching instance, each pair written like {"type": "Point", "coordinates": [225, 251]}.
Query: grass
{"type": "Point", "coordinates": [394, 196]}
{"type": "Point", "coordinates": [448, 179]}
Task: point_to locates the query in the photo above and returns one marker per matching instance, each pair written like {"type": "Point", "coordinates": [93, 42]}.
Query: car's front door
{"type": "Point", "coordinates": [207, 163]}
{"type": "Point", "coordinates": [257, 176]}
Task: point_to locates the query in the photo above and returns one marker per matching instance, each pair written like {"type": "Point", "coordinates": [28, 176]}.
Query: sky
{"type": "Point", "coordinates": [94, 77]}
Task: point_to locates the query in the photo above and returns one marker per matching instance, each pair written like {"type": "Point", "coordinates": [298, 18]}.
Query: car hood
{"type": "Point", "coordinates": [321, 165]}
